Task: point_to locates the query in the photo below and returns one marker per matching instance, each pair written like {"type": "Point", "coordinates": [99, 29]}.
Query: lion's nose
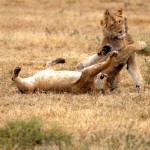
{"type": "Point", "coordinates": [120, 31]}
{"type": "Point", "coordinates": [102, 76]}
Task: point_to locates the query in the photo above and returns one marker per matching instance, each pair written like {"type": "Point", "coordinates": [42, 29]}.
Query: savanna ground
{"type": "Point", "coordinates": [34, 31]}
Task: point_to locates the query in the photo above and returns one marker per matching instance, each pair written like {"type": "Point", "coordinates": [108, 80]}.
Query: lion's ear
{"type": "Point", "coordinates": [103, 23]}
{"type": "Point", "coordinates": [106, 13]}
{"type": "Point", "coordinates": [120, 12]}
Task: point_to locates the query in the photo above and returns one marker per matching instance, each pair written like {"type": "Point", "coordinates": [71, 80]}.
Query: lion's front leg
{"type": "Point", "coordinates": [88, 74]}
{"type": "Point", "coordinates": [94, 58]}
{"type": "Point", "coordinates": [88, 62]}
{"type": "Point", "coordinates": [134, 71]}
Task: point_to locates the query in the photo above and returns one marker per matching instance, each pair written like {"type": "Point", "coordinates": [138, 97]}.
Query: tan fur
{"type": "Point", "coordinates": [113, 70]}
{"type": "Point", "coordinates": [69, 81]}
{"type": "Point", "coordinates": [75, 81]}
{"type": "Point", "coordinates": [115, 31]}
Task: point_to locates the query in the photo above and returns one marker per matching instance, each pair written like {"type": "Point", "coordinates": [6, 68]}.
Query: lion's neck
{"type": "Point", "coordinates": [116, 43]}
{"type": "Point", "coordinates": [109, 36]}
{"type": "Point", "coordinates": [116, 40]}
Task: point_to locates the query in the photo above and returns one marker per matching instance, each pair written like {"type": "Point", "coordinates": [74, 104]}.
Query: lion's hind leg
{"type": "Point", "coordinates": [50, 63]}
{"type": "Point", "coordinates": [134, 71]}
{"type": "Point", "coordinates": [23, 84]}
{"type": "Point", "coordinates": [126, 55]}
{"type": "Point", "coordinates": [131, 62]}
{"type": "Point", "coordinates": [16, 73]}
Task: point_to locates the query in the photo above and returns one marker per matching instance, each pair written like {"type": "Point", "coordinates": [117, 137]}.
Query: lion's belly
{"type": "Point", "coordinates": [55, 80]}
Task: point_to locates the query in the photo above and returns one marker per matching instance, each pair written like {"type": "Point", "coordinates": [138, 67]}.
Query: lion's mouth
{"type": "Point", "coordinates": [122, 35]}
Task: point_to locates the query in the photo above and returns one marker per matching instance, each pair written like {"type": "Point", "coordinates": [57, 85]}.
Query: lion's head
{"type": "Point", "coordinates": [101, 82]}
{"type": "Point", "coordinates": [114, 24]}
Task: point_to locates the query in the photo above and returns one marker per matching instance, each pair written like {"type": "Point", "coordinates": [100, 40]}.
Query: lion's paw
{"type": "Point", "coordinates": [114, 54]}
{"type": "Point", "coordinates": [140, 45]}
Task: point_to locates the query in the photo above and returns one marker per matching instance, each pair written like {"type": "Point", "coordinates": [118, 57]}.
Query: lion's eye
{"type": "Point", "coordinates": [119, 21]}
{"type": "Point", "coordinates": [111, 26]}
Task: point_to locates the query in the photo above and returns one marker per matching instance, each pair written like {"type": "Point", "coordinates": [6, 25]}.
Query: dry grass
{"type": "Point", "coordinates": [34, 31]}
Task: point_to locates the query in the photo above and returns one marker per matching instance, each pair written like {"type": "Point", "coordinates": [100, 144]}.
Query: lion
{"type": "Point", "coordinates": [115, 34]}
{"type": "Point", "coordinates": [72, 81]}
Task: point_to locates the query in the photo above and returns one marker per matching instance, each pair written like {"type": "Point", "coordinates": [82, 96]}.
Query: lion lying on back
{"type": "Point", "coordinates": [115, 32]}
{"type": "Point", "coordinates": [74, 81]}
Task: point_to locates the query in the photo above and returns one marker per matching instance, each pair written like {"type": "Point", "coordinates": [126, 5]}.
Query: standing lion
{"type": "Point", "coordinates": [115, 34]}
